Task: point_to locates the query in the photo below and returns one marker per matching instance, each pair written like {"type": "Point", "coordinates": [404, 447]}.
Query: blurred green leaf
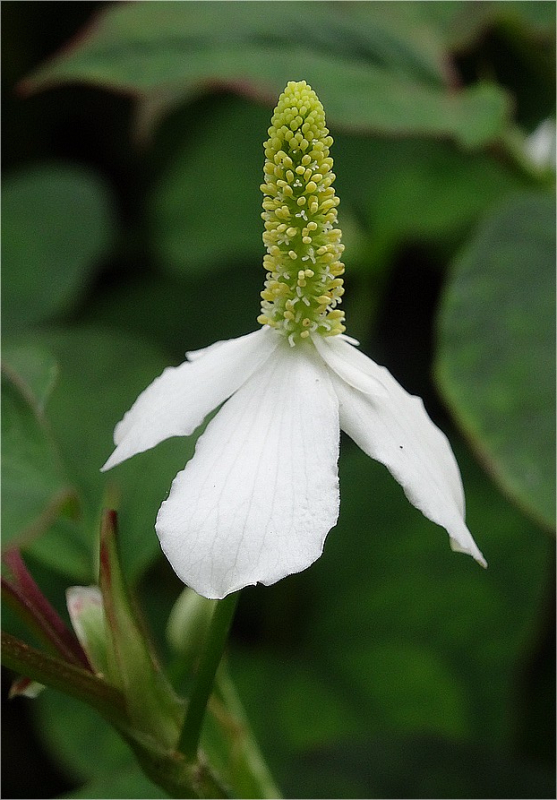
{"type": "Point", "coordinates": [153, 707]}
{"type": "Point", "coordinates": [417, 689]}
{"type": "Point", "coordinates": [405, 189]}
{"type": "Point", "coordinates": [206, 207]}
{"type": "Point", "coordinates": [402, 585]}
{"type": "Point", "coordinates": [125, 782]}
{"type": "Point", "coordinates": [227, 740]}
{"type": "Point", "coordinates": [406, 635]}
{"type": "Point", "coordinates": [56, 226]}
{"type": "Point", "coordinates": [342, 31]}
{"type": "Point", "coordinates": [101, 374]}
{"type": "Point", "coordinates": [513, 42]}
{"type": "Point", "coordinates": [306, 708]}
{"type": "Point", "coordinates": [418, 766]}
{"type": "Point", "coordinates": [93, 748]}
{"type": "Point", "coordinates": [172, 312]}
{"type": "Point", "coordinates": [33, 370]}
{"type": "Point", "coordinates": [35, 489]}
{"type": "Point", "coordinates": [538, 16]}
{"type": "Point", "coordinates": [421, 190]}
{"type": "Point", "coordinates": [459, 22]}
{"type": "Point", "coordinates": [496, 362]}
{"type": "Point", "coordinates": [369, 71]}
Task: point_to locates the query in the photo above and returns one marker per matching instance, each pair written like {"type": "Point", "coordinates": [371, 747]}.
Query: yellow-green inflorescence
{"type": "Point", "coordinates": [303, 286]}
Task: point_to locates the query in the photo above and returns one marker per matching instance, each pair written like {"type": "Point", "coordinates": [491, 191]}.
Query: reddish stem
{"type": "Point", "coordinates": [26, 597]}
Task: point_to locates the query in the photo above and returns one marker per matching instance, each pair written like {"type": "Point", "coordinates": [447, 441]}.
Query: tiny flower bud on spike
{"type": "Point", "coordinates": [303, 257]}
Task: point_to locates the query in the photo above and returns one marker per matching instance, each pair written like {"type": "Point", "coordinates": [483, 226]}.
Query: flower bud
{"type": "Point", "coordinates": [188, 623]}
{"type": "Point", "coordinates": [85, 607]}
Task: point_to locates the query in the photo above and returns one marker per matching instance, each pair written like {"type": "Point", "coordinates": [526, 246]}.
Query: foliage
{"type": "Point", "coordinates": [132, 233]}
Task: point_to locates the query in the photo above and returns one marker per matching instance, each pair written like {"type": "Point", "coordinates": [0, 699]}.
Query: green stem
{"type": "Point", "coordinates": [252, 775]}
{"type": "Point", "coordinates": [65, 677]}
{"type": "Point", "coordinates": [205, 678]}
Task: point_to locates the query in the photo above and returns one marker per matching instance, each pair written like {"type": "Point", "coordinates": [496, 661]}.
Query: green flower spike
{"type": "Point", "coordinates": [303, 285]}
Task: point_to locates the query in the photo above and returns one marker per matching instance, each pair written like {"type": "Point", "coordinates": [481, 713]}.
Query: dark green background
{"type": "Point", "coordinates": [132, 233]}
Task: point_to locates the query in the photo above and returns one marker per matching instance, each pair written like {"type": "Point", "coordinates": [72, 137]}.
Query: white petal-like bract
{"type": "Point", "coordinates": [397, 431]}
{"type": "Point", "coordinates": [349, 364]}
{"type": "Point", "coordinates": [258, 498]}
{"type": "Point", "coordinates": [178, 401]}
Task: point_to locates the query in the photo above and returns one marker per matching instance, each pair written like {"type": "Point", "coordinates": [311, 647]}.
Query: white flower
{"type": "Point", "coordinates": [260, 494]}
{"type": "Point", "coordinates": [258, 498]}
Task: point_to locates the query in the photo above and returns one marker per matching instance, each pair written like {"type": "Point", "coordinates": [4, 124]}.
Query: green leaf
{"type": "Point", "coordinates": [228, 739]}
{"type": "Point", "coordinates": [496, 362]}
{"type": "Point", "coordinates": [56, 226]}
{"type": "Point", "coordinates": [58, 714]}
{"type": "Point", "coordinates": [113, 771]}
{"type": "Point", "coordinates": [33, 370]}
{"type": "Point", "coordinates": [125, 782]}
{"type": "Point", "coordinates": [203, 28]}
{"type": "Point", "coordinates": [418, 766]}
{"type": "Point", "coordinates": [368, 74]}
{"type": "Point", "coordinates": [460, 23]}
{"type": "Point", "coordinates": [419, 190]}
{"type": "Point", "coordinates": [539, 16]}
{"type": "Point", "coordinates": [425, 687]}
{"type": "Point", "coordinates": [101, 374]}
{"type": "Point", "coordinates": [290, 704]}
{"type": "Point", "coordinates": [405, 635]}
{"type": "Point", "coordinates": [231, 745]}
{"type": "Point", "coordinates": [152, 706]}
{"type": "Point", "coordinates": [423, 596]}
{"type": "Point", "coordinates": [206, 207]}
{"type": "Point", "coordinates": [35, 488]}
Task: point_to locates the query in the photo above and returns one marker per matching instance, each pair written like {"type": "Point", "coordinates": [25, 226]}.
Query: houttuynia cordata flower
{"type": "Point", "coordinates": [261, 492]}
